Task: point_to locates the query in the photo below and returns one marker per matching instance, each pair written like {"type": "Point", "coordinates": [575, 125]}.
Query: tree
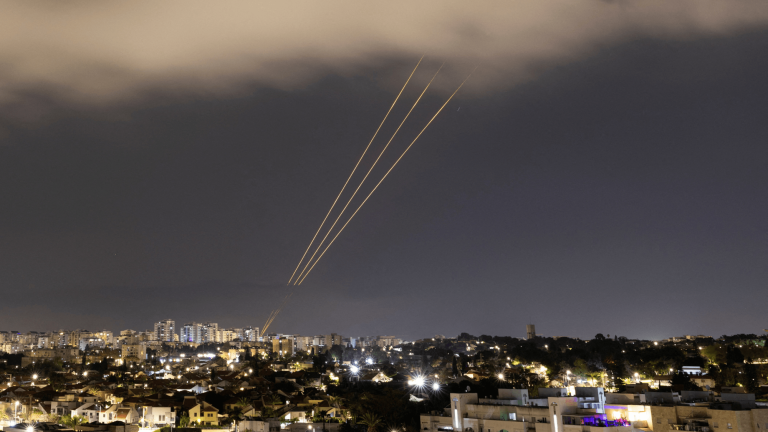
{"type": "Point", "coordinates": [318, 362]}
{"type": "Point", "coordinates": [371, 420]}
{"type": "Point", "coordinates": [322, 414]}
{"type": "Point", "coordinates": [184, 421]}
{"type": "Point", "coordinates": [73, 421]}
{"type": "Point", "coordinates": [751, 380]}
{"type": "Point", "coordinates": [733, 356]}
{"type": "Point", "coordinates": [36, 415]}
{"type": "Point", "coordinates": [683, 381]}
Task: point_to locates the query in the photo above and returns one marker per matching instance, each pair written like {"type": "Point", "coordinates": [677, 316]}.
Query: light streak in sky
{"type": "Point", "coordinates": [353, 172]}
{"type": "Point", "coordinates": [382, 179]}
{"type": "Point", "coordinates": [274, 313]}
{"type": "Point", "coordinates": [319, 245]}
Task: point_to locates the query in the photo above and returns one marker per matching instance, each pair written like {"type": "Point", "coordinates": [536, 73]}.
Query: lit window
{"type": "Point", "coordinates": [729, 426]}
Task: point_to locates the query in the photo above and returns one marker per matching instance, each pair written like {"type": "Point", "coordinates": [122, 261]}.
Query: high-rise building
{"type": "Point", "coordinates": [332, 339]}
{"type": "Point", "coordinates": [250, 334]}
{"type": "Point", "coordinates": [199, 333]}
{"type": "Point", "coordinates": [283, 346]}
{"type": "Point", "coordinates": [530, 331]}
{"type": "Point", "coordinates": [106, 336]}
{"type": "Point", "coordinates": [227, 335]}
{"type": "Point", "coordinates": [164, 330]}
{"type": "Point", "coordinates": [192, 332]}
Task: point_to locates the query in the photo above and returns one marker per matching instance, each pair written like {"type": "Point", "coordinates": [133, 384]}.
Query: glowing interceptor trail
{"type": "Point", "coordinates": [353, 172]}
{"type": "Point", "coordinates": [382, 179]}
{"type": "Point", "coordinates": [319, 245]}
{"type": "Point", "coordinates": [274, 313]}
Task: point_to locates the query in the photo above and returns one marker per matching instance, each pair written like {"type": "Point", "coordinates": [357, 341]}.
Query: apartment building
{"type": "Point", "coordinates": [165, 330]}
{"type": "Point", "coordinates": [138, 351]}
{"type": "Point", "coordinates": [199, 332]}
{"type": "Point", "coordinates": [592, 410]}
{"type": "Point", "coordinates": [283, 346]}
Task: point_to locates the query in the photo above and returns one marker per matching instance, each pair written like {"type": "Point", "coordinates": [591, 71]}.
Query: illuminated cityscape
{"type": "Point", "coordinates": [140, 379]}
{"type": "Point", "coordinates": [398, 216]}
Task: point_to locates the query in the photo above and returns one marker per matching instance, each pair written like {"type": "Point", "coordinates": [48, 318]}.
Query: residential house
{"type": "Point", "coordinates": [122, 413]}
{"type": "Point", "coordinates": [205, 414]}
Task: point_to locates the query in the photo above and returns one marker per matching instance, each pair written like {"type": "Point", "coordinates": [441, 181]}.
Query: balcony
{"type": "Point", "coordinates": [595, 421]}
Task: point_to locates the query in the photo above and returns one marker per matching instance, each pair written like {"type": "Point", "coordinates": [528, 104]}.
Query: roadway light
{"type": "Point", "coordinates": [435, 386]}
{"type": "Point", "coordinates": [354, 369]}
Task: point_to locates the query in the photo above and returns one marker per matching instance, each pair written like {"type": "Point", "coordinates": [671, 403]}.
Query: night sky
{"type": "Point", "coordinates": [603, 170]}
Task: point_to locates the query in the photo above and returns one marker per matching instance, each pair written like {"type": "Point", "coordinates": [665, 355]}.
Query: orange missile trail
{"type": "Point", "coordinates": [382, 179]}
{"type": "Point", "coordinates": [353, 172]}
{"type": "Point", "coordinates": [319, 245]}
{"type": "Point", "coordinates": [274, 313]}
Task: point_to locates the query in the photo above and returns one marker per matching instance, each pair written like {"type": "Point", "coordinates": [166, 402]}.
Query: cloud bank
{"type": "Point", "coordinates": [102, 53]}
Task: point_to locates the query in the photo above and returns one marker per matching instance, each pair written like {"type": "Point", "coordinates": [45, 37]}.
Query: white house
{"type": "Point", "coordinates": [90, 411]}
{"type": "Point", "coordinates": [157, 416]}
{"type": "Point", "coordinates": [121, 413]}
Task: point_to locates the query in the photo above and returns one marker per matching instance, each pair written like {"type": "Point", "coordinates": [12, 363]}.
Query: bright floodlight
{"type": "Point", "coordinates": [34, 377]}
{"type": "Point", "coordinates": [418, 381]}
{"type": "Point", "coordinates": [30, 429]}
{"type": "Point", "coordinates": [435, 386]}
{"type": "Point", "coordinates": [354, 369]}
{"type": "Point", "coordinates": [369, 360]}
{"type": "Point", "coordinates": [501, 376]}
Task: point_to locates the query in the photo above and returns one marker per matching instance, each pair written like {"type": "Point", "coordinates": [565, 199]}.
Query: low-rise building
{"type": "Point", "coordinates": [205, 414]}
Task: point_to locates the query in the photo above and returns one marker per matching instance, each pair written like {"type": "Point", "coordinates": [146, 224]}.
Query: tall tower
{"type": "Point", "coordinates": [530, 331]}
